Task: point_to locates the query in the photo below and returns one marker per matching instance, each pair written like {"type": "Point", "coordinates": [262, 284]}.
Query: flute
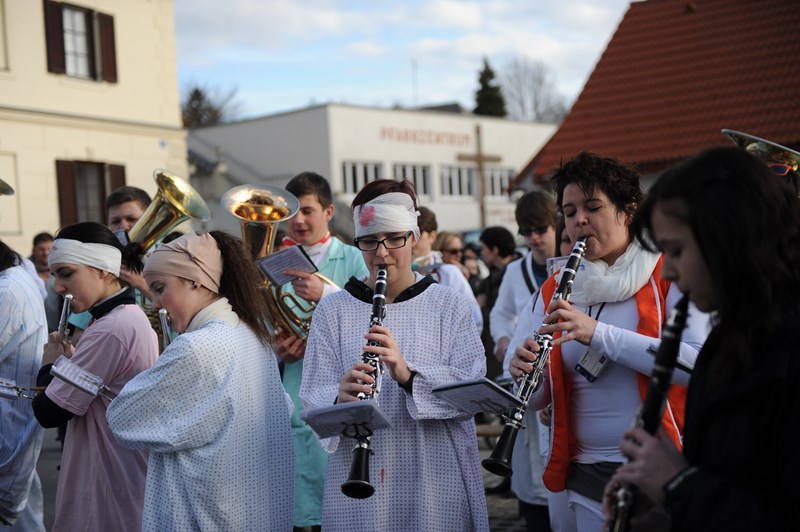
{"type": "Point", "coordinates": [652, 409]}
{"type": "Point", "coordinates": [165, 329]}
{"type": "Point", "coordinates": [499, 462]}
{"type": "Point", "coordinates": [63, 330]}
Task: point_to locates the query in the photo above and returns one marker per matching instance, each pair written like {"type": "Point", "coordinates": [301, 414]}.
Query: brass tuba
{"type": "Point", "coordinates": [260, 208]}
{"type": "Point", "coordinates": [175, 202]}
{"type": "Point", "coordinates": [783, 161]}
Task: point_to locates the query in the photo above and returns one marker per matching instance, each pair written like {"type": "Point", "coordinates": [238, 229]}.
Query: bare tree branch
{"type": "Point", "coordinates": [529, 89]}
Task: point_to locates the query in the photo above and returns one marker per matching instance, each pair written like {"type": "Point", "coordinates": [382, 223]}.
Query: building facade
{"type": "Point", "coordinates": [351, 145]}
{"type": "Point", "coordinates": [89, 101]}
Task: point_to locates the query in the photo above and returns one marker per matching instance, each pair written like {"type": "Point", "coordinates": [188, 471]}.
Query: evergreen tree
{"type": "Point", "coordinates": [489, 99]}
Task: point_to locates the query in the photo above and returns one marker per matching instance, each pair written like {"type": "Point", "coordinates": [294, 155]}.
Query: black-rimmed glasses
{"type": "Point", "coordinates": [390, 242]}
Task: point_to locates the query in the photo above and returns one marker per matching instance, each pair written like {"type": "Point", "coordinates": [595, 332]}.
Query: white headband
{"type": "Point", "coordinates": [100, 256]}
{"type": "Point", "coordinates": [392, 212]}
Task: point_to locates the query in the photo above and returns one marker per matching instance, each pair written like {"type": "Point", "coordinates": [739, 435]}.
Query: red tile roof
{"type": "Point", "coordinates": [678, 71]}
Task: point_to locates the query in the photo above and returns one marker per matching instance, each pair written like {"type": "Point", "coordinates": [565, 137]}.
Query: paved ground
{"type": "Point", "coordinates": [503, 513]}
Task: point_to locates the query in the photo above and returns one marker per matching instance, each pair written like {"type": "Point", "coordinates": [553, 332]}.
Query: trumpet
{"type": "Point", "coordinates": [63, 330]}
{"type": "Point", "coordinates": [165, 329]}
{"type": "Point", "coordinates": [357, 485]}
{"type": "Point", "coordinates": [652, 409]}
{"type": "Point", "coordinates": [499, 462]}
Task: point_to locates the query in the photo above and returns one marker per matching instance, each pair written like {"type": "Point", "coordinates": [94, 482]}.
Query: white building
{"type": "Point", "coordinates": [351, 145]}
{"type": "Point", "coordinates": [89, 101]}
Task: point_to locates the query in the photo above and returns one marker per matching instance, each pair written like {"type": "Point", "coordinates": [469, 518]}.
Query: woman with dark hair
{"type": "Point", "coordinates": [212, 411]}
{"type": "Point", "coordinates": [730, 234]}
{"type": "Point", "coordinates": [428, 474]}
{"type": "Point", "coordinates": [100, 485]}
{"type": "Point", "coordinates": [600, 365]}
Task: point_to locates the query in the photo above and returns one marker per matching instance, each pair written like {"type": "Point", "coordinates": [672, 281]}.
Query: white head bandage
{"type": "Point", "coordinates": [392, 212]}
{"type": "Point", "coordinates": [100, 256]}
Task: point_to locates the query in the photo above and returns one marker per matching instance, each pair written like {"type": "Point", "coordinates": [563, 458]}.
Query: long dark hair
{"type": "Point", "coordinates": [746, 222]}
{"type": "Point", "coordinates": [8, 257]}
{"type": "Point", "coordinates": [240, 283]}
{"type": "Point", "coordinates": [95, 233]}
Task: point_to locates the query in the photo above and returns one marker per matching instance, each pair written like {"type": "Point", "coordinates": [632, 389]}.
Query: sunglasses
{"type": "Point", "coordinates": [455, 251]}
{"type": "Point", "coordinates": [527, 231]}
{"type": "Point", "coordinates": [781, 168]}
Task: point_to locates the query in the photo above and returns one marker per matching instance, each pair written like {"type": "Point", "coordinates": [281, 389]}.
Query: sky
{"type": "Point", "coordinates": [280, 55]}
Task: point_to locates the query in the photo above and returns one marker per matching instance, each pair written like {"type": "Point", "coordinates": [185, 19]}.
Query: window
{"type": "Point", "coordinates": [80, 42]}
{"type": "Point", "coordinates": [83, 187]}
{"type": "Point", "coordinates": [458, 181]}
{"type": "Point", "coordinates": [357, 174]}
{"type": "Point", "coordinates": [497, 180]}
{"type": "Point", "coordinates": [417, 174]}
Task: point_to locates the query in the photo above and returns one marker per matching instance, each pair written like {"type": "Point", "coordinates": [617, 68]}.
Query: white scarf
{"type": "Point", "coordinates": [598, 283]}
{"type": "Point", "coordinates": [220, 310]}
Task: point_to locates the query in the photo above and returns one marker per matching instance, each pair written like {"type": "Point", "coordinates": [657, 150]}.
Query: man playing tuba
{"type": "Point", "coordinates": [338, 262]}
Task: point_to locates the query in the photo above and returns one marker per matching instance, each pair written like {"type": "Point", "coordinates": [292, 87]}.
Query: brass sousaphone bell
{"type": "Point", "coordinates": [771, 153]}
{"type": "Point", "coordinates": [260, 208]}
{"type": "Point", "coordinates": [175, 202]}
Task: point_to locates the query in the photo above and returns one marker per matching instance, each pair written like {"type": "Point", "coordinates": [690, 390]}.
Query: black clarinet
{"type": "Point", "coordinates": [357, 485]}
{"type": "Point", "coordinates": [499, 462]}
{"type": "Point", "coordinates": [652, 409]}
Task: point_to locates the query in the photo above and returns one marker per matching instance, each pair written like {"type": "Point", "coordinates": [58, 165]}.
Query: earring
{"type": "Point", "coordinates": [195, 285]}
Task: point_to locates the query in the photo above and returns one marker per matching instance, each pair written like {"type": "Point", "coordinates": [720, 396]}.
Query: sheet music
{"type": "Point", "coordinates": [340, 419]}
{"type": "Point", "coordinates": [71, 373]}
{"type": "Point", "coordinates": [475, 396]}
{"type": "Point", "coordinates": [291, 258]}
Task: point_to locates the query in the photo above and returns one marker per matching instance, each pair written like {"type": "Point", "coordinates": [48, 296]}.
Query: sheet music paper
{"type": "Point", "coordinates": [291, 258]}
{"type": "Point", "coordinates": [481, 395]}
{"type": "Point", "coordinates": [71, 373]}
{"type": "Point", "coordinates": [338, 419]}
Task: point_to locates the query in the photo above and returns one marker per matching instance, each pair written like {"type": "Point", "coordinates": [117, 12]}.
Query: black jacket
{"type": "Point", "coordinates": [744, 439]}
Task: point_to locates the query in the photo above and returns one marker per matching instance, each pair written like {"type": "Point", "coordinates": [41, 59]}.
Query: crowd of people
{"type": "Point", "coordinates": [209, 433]}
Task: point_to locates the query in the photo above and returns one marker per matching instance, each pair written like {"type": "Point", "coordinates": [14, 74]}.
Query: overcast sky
{"type": "Point", "coordinates": [288, 54]}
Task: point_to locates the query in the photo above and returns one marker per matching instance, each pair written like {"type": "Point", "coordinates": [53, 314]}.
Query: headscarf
{"type": "Point", "coordinates": [192, 256]}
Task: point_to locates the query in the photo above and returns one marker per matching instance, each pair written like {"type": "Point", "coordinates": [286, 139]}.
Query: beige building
{"type": "Point", "coordinates": [351, 145]}
{"type": "Point", "coordinates": [89, 101]}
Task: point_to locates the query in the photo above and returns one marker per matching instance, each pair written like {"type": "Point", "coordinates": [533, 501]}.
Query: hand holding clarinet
{"type": "Point", "coordinates": [58, 341]}
{"type": "Point", "coordinates": [631, 496]}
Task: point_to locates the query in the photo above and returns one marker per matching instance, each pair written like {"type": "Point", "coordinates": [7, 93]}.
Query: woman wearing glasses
{"type": "Point", "coordinates": [425, 468]}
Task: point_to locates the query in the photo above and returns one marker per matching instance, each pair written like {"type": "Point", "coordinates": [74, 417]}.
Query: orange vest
{"type": "Point", "coordinates": [563, 444]}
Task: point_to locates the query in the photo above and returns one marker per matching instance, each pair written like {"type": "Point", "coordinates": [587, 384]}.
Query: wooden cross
{"type": "Point", "coordinates": [480, 158]}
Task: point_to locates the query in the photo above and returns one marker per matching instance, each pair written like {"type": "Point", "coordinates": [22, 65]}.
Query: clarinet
{"type": "Point", "coordinates": [357, 485]}
{"type": "Point", "coordinates": [63, 329]}
{"type": "Point", "coordinates": [652, 409]}
{"type": "Point", "coordinates": [499, 462]}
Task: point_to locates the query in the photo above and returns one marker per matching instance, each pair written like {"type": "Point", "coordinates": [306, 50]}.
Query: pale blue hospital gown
{"type": "Point", "coordinates": [23, 333]}
{"type": "Point", "coordinates": [425, 469]}
{"type": "Point", "coordinates": [214, 416]}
